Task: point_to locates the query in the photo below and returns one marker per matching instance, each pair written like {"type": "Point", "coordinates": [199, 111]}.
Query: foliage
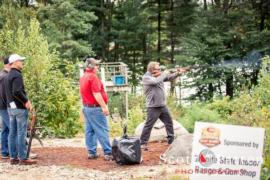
{"type": "Point", "coordinates": [254, 110]}
{"type": "Point", "coordinates": [265, 173]}
{"type": "Point", "coordinates": [175, 109]}
{"type": "Point", "coordinates": [12, 13]}
{"type": "Point", "coordinates": [220, 43]}
{"type": "Point", "coordinates": [136, 116]}
{"type": "Point", "coordinates": [116, 103]}
{"type": "Point", "coordinates": [136, 113]}
{"type": "Point", "coordinates": [52, 94]}
{"type": "Point", "coordinates": [67, 28]}
{"type": "Point", "coordinates": [116, 129]}
{"type": "Point", "coordinates": [222, 106]}
{"type": "Point", "coordinates": [198, 112]}
{"type": "Point", "coordinates": [250, 109]}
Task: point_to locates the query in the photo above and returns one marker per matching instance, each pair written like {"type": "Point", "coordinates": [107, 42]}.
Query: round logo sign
{"type": "Point", "coordinates": [207, 158]}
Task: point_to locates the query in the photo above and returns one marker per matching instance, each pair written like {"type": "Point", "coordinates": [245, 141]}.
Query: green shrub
{"type": "Point", "coordinates": [254, 109]}
{"type": "Point", "coordinates": [136, 116]}
{"type": "Point", "coordinates": [265, 173]}
{"type": "Point", "coordinates": [198, 112]}
{"type": "Point", "coordinates": [136, 112]}
{"type": "Point", "coordinates": [174, 108]}
{"type": "Point", "coordinates": [251, 110]}
{"type": "Point", "coordinates": [117, 103]}
{"type": "Point", "coordinates": [116, 129]}
{"type": "Point", "coordinates": [53, 95]}
{"type": "Point", "coordinates": [222, 106]}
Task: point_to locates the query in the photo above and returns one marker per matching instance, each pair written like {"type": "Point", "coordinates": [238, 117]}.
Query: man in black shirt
{"type": "Point", "coordinates": [18, 106]}
{"type": "Point", "coordinates": [4, 118]}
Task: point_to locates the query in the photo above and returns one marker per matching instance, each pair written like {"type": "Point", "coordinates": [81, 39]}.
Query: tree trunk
{"type": "Point", "coordinates": [159, 31]}
{"type": "Point", "coordinates": [254, 77]}
{"type": "Point", "coordinates": [217, 2]}
{"type": "Point", "coordinates": [219, 89]}
{"type": "Point", "coordinates": [262, 11]}
{"type": "Point", "coordinates": [133, 73]}
{"type": "Point", "coordinates": [116, 47]}
{"type": "Point", "coordinates": [145, 59]}
{"type": "Point", "coordinates": [102, 29]}
{"type": "Point", "coordinates": [26, 3]}
{"type": "Point", "coordinates": [211, 91]}
{"type": "Point", "coordinates": [172, 88]}
{"type": "Point", "coordinates": [229, 85]}
{"type": "Point", "coordinates": [109, 7]}
{"type": "Point", "coordinates": [205, 4]}
{"type": "Point", "coordinates": [226, 6]}
{"type": "Point", "coordinates": [172, 31]}
{"type": "Point", "coordinates": [172, 24]}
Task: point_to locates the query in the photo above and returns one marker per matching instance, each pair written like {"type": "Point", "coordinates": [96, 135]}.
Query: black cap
{"type": "Point", "coordinates": [6, 60]}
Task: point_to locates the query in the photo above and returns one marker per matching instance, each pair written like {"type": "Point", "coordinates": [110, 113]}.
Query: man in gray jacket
{"type": "Point", "coordinates": [153, 82]}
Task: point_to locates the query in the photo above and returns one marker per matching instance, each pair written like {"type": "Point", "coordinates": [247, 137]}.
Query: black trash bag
{"type": "Point", "coordinates": [126, 150]}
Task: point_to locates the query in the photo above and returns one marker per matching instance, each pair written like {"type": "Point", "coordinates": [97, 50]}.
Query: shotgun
{"type": "Point", "coordinates": [32, 131]}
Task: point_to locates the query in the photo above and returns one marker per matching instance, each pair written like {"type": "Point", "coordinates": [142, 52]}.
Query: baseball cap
{"type": "Point", "coordinates": [15, 57]}
{"type": "Point", "coordinates": [92, 61]}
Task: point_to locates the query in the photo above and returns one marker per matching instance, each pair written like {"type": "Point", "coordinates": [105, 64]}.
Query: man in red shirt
{"type": "Point", "coordinates": [95, 110]}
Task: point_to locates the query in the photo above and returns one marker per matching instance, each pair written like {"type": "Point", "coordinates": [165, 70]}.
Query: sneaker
{"type": "Point", "coordinates": [170, 139]}
{"type": "Point", "coordinates": [93, 156]}
{"type": "Point", "coordinates": [108, 157]}
{"type": "Point", "coordinates": [5, 157]}
{"type": "Point", "coordinates": [144, 147]}
{"type": "Point", "coordinates": [27, 162]}
{"type": "Point", "coordinates": [14, 161]}
{"type": "Point", "coordinates": [33, 156]}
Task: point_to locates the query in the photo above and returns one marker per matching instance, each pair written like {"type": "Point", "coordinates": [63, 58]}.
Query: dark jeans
{"type": "Point", "coordinates": [4, 131]}
{"type": "Point", "coordinates": [153, 114]}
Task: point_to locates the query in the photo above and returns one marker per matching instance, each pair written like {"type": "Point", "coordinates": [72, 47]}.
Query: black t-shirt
{"type": "Point", "coordinates": [15, 91]}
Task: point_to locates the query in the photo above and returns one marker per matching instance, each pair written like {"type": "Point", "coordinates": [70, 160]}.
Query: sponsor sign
{"type": "Point", "coordinates": [226, 152]}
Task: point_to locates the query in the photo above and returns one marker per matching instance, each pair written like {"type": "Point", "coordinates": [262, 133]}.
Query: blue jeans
{"type": "Point", "coordinates": [96, 128]}
{"type": "Point", "coordinates": [17, 133]}
{"type": "Point", "coordinates": [4, 132]}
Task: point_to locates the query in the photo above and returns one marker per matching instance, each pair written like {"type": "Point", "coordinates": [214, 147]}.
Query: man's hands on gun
{"type": "Point", "coordinates": [183, 70]}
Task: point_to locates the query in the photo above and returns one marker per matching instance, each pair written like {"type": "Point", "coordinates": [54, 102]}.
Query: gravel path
{"type": "Point", "coordinates": [16, 172]}
{"type": "Point", "coordinates": [34, 172]}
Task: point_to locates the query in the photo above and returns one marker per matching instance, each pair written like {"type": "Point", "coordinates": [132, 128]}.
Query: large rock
{"type": "Point", "coordinates": [179, 152]}
{"type": "Point", "coordinates": [158, 132]}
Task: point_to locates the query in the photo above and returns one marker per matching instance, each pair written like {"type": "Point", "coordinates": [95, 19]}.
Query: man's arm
{"type": "Point", "coordinates": [150, 80]}
{"type": "Point", "coordinates": [101, 102]}
{"type": "Point", "coordinates": [18, 92]}
{"type": "Point", "coordinates": [173, 76]}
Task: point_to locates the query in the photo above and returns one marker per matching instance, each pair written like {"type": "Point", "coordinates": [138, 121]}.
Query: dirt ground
{"type": "Point", "coordinates": [67, 159]}
{"type": "Point", "coordinates": [77, 157]}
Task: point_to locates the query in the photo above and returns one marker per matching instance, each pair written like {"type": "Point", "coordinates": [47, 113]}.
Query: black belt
{"type": "Point", "coordinates": [91, 105]}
